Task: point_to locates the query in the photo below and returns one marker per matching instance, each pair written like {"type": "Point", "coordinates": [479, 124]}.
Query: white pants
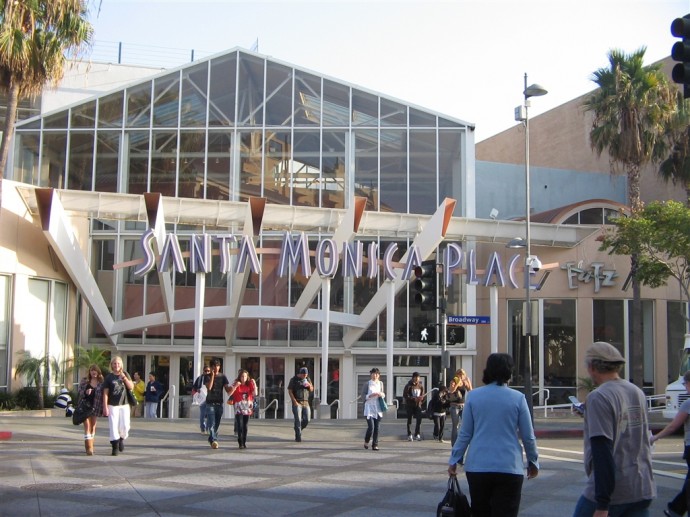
{"type": "Point", "coordinates": [118, 419]}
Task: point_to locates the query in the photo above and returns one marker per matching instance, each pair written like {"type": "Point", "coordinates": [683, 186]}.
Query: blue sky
{"type": "Point", "coordinates": [463, 58]}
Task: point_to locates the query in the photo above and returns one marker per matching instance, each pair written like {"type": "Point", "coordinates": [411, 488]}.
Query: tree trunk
{"type": "Point", "coordinates": [636, 359]}
{"type": "Point", "coordinates": [8, 130]}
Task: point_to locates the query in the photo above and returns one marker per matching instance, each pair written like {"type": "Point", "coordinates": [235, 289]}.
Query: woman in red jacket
{"type": "Point", "coordinates": [242, 395]}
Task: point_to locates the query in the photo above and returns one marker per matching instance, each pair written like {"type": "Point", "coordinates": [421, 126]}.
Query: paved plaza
{"type": "Point", "coordinates": [168, 469]}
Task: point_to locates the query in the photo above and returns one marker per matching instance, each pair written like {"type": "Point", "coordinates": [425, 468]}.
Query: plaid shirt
{"type": "Point", "coordinates": [96, 397]}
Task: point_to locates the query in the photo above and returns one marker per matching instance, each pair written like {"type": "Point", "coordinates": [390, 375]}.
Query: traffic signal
{"type": "Point", "coordinates": [455, 335]}
{"type": "Point", "coordinates": [680, 28]}
{"type": "Point", "coordinates": [427, 334]}
{"type": "Point", "coordinates": [425, 285]}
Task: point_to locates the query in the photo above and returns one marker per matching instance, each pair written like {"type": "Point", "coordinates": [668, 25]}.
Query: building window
{"type": "Point", "coordinates": [46, 305]}
{"type": "Point", "coordinates": [676, 312]}
{"type": "Point", "coordinates": [5, 304]}
{"type": "Point", "coordinates": [560, 355]}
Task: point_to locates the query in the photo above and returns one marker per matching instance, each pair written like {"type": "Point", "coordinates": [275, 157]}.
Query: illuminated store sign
{"type": "Point", "coordinates": [294, 253]}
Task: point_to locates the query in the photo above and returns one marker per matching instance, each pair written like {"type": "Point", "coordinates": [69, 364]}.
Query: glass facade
{"type": "Point", "coordinates": [233, 127]}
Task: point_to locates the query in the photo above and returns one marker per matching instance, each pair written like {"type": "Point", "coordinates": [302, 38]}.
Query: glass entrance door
{"type": "Point", "coordinates": [273, 386]}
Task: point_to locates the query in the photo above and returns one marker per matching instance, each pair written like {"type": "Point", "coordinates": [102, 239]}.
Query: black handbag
{"type": "Point", "coordinates": [83, 411]}
{"type": "Point", "coordinates": [131, 399]}
{"type": "Point", "coordinates": [454, 503]}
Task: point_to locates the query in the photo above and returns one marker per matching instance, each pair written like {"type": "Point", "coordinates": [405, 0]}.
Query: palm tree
{"type": "Point", "coordinates": [35, 35]}
{"type": "Point", "coordinates": [83, 358]}
{"type": "Point", "coordinates": [632, 109]}
{"type": "Point", "coordinates": [38, 371]}
{"type": "Point", "coordinates": [676, 167]}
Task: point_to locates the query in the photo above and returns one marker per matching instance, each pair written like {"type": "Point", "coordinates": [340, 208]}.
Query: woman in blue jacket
{"type": "Point", "coordinates": [493, 418]}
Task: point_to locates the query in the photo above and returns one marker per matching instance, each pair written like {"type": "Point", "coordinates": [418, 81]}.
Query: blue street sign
{"type": "Point", "coordinates": [469, 320]}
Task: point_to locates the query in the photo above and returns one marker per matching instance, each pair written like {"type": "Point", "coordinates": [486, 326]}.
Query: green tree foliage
{"type": "Point", "coordinates": [85, 357]}
{"type": "Point", "coordinates": [38, 372]}
{"type": "Point", "coordinates": [660, 237]}
{"type": "Point", "coordinates": [35, 36]}
{"type": "Point", "coordinates": [632, 110]}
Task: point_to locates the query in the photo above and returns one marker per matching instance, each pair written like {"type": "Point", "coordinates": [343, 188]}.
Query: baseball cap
{"type": "Point", "coordinates": [304, 370]}
{"type": "Point", "coordinates": [605, 352]}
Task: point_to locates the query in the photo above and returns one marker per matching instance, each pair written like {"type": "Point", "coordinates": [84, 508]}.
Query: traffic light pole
{"type": "Point", "coordinates": [444, 326]}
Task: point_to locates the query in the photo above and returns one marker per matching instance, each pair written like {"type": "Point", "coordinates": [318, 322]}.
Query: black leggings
{"type": "Point", "coordinates": [242, 422]}
{"type": "Point", "coordinates": [495, 494]}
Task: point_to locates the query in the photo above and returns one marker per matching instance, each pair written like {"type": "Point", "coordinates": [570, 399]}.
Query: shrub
{"type": "Point", "coordinates": [7, 401]}
{"type": "Point", "coordinates": [27, 398]}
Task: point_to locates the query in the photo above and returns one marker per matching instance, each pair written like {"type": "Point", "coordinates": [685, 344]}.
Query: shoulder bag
{"type": "Point", "coordinates": [83, 411]}
{"type": "Point", "coordinates": [454, 503]}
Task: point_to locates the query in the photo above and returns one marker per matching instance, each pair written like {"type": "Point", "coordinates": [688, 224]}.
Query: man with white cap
{"type": "Point", "coordinates": [617, 452]}
{"type": "Point", "coordinates": [300, 388]}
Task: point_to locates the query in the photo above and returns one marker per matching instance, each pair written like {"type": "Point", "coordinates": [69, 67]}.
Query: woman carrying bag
{"type": "Point", "coordinates": [457, 391]}
{"type": "Point", "coordinates": [371, 392]}
{"type": "Point", "coordinates": [90, 391]}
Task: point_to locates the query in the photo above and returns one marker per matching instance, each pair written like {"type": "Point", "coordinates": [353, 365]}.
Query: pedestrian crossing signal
{"type": "Point", "coordinates": [427, 334]}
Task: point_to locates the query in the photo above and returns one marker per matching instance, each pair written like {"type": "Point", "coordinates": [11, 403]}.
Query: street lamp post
{"type": "Point", "coordinates": [534, 90]}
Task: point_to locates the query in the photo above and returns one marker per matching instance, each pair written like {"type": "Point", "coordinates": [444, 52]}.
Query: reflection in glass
{"type": "Point", "coordinates": [219, 165]}
{"type": "Point", "coordinates": [422, 182]}
{"type": "Point", "coordinates": [80, 161]}
{"type": "Point", "coordinates": [278, 95]}
{"type": "Point", "coordinates": [222, 89]}
{"type": "Point", "coordinates": [166, 98]}
{"type": "Point", "coordinates": [307, 99]}
{"type": "Point", "coordinates": [192, 163]}
{"type": "Point", "coordinates": [26, 157]}
{"type": "Point", "coordinates": [139, 105]}
{"type": "Point", "coordinates": [110, 110]}
{"type": "Point", "coordinates": [53, 163]}
{"type": "Point", "coordinates": [393, 170]}
{"type": "Point", "coordinates": [164, 162]}
{"type": "Point", "coordinates": [137, 143]}
{"type": "Point", "coordinates": [84, 116]}
{"type": "Point", "coordinates": [107, 160]}
{"type": "Point", "coordinates": [250, 96]}
{"type": "Point", "coordinates": [193, 104]}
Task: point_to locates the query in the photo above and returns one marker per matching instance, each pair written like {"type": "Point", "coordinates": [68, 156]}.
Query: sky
{"type": "Point", "coordinates": [462, 58]}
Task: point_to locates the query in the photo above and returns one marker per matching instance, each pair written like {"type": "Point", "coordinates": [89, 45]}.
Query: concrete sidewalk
{"type": "Point", "coordinates": [168, 469]}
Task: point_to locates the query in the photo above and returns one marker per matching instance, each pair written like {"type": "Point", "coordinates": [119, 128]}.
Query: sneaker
{"type": "Point", "coordinates": [418, 438]}
{"type": "Point", "coordinates": [441, 440]}
{"type": "Point", "coordinates": [409, 437]}
{"type": "Point", "coordinates": [214, 444]}
{"type": "Point", "coordinates": [375, 448]}
{"type": "Point", "coordinates": [366, 445]}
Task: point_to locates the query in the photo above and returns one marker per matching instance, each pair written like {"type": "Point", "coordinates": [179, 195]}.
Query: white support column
{"type": "Point", "coordinates": [200, 290]}
{"type": "Point", "coordinates": [324, 410]}
{"type": "Point", "coordinates": [493, 294]}
{"type": "Point", "coordinates": [390, 334]}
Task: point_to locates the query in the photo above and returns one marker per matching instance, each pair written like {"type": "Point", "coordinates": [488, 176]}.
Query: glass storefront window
{"type": "Point", "coordinates": [306, 175]}
{"type": "Point", "coordinates": [392, 169]}
{"type": "Point", "coordinates": [278, 95]}
{"type": "Point", "coordinates": [137, 148]}
{"type": "Point", "coordinates": [166, 101]}
{"type": "Point", "coordinates": [307, 99]}
{"type": "Point", "coordinates": [251, 91]}
{"type": "Point", "coordinates": [110, 111]}
{"type": "Point", "coordinates": [336, 104]}
{"type": "Point", "coordinates": [139, 105]}
{"type": "Point", "coordinates": [423, 181]}
{"type": "Point", "coordinates": [5, 319]}
{"type": "Point", "coordinates": [676, 327]}
{"type": "Point", "coordinates": [26, 156]}
{"type": "Point", "coordinates": [219, 165]}
{"type": "Point", "coordinates": [108, 160]}
{"type": "Point", "coordinates": [367, 166]}
{"type": "Point", "coordinates": [560, 338]}
{"type": "Point", "coordinates": [54, 156]}
{"type": "Point", "coordinates": [193, 104]}
{"type": "Point", "coordinates": [192, 164]}
{"type": "Point", "coordinates": [222, 89]}
{"type": "Point", "coordinates": [333, 185]}
{"type": "Point", "coordinates": [80, 160]}
{"type": "Point", "coordinates": [84, 116]}
{"type": "Point", "coordinates": [608, 323]}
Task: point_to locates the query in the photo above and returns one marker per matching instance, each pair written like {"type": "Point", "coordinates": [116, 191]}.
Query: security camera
{"type": "Point", "coordinates": [534, 263]}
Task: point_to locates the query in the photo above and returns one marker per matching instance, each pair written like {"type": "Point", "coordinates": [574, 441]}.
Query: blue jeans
{"type": "Point", "coordinates": [455, 417]}
{"type": "Point", "coordinates": [586, 508]}
{"type": "Point", "coordinates": [301, 415]}
{"type": "Point", "coordinates": [372, 430]}
{"type": "Point", "coordinates": [214, 412]}
{"type": "Point", "coordinates": [202, 417]}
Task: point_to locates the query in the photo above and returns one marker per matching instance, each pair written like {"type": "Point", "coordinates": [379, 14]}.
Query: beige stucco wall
{"type": "Point", "coordinates": [559, 139]}
{"type": "Point", "coordinates": [25, 254]}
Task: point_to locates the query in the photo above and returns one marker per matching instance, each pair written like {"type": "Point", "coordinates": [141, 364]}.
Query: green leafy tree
{"type": "Point", "coordinates": [35, 37]}
{"type": "Point", "coordinates": [38, 371]}
{"type": "Point", "coordinates": [676, 167]}
{"type": "Point", "coordinates": [85, 357]}
{"type": "Point", "coordinates": [660, 237]}
{"type": "Point", "coordinates": [632, 109]}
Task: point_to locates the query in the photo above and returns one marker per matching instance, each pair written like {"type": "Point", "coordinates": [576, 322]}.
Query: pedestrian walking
{"type": "Point", "coordinates": [372, 391]}
{"type": "Point", "coordinates": [496, 418]}
{"type": "Point", "coordinates": [116, 405]}
{"type": "Point", "coordinates": [299, 389]}
{"type": "Point", "coordinates": [617, 449]}
{"type": "Point", "coordinates": [413, 396]}
{"type": "Point", "coordinates": [215, 383]}
{"type": "Point", "coordinates": [459, 386]}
